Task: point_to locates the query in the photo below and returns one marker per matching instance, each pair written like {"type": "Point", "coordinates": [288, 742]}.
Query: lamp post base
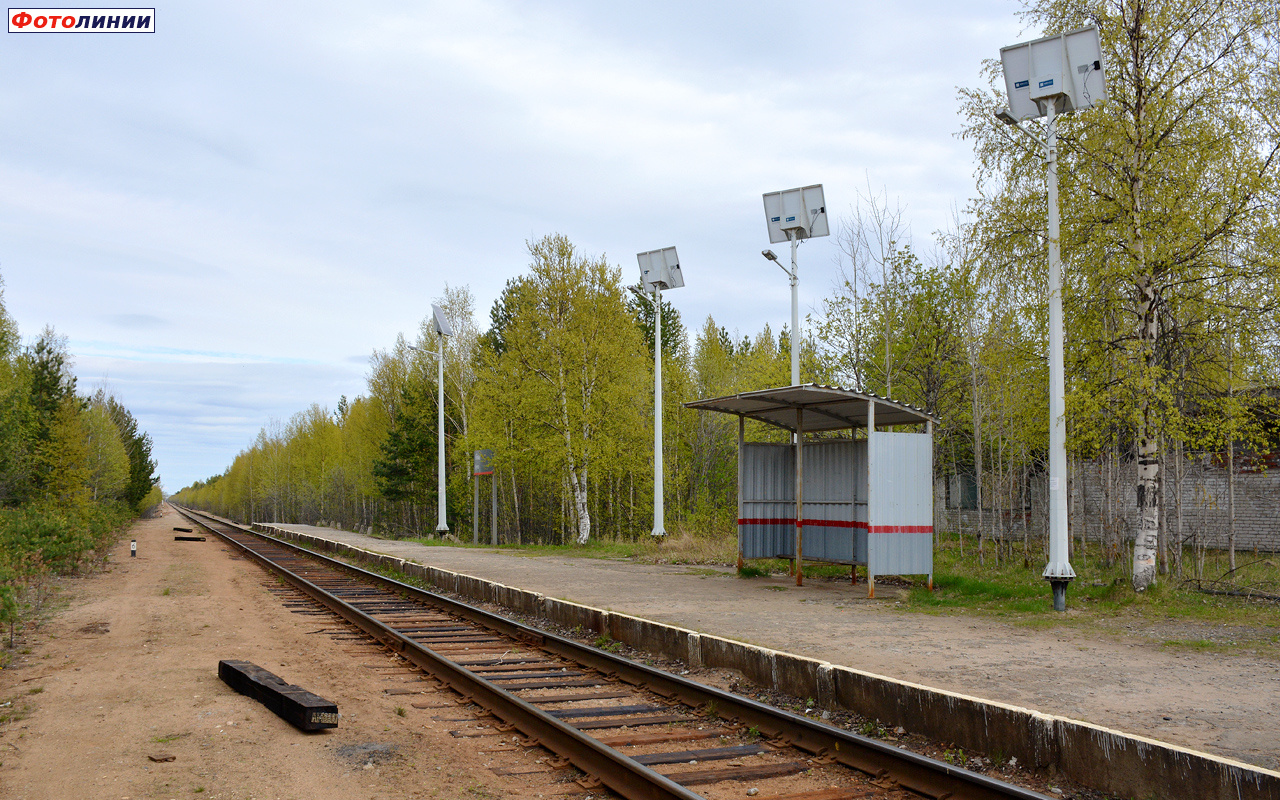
{"type": "Point", "coordinates": [1059, 593]}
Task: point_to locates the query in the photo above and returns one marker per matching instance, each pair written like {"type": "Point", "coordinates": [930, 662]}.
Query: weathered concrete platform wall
{"type": "Point", "coordinates": [1100, 758]}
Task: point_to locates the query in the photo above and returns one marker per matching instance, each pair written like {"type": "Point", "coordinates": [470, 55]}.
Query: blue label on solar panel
{"type": "Point", "coordinates": [1046, 83]}
{"type": "Point", "coordinates": [775, 219]}
{"type": "Point", "coordinates": [1021, 84]}
{"type": "Point", "coordinates": [791, 219]}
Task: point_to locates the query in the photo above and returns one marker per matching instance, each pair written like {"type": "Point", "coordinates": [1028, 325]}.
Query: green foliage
{"type": "Point", "coordinates": [406, 469]}
{"type": "Point", "coordinates": [562, 381]}
{"type": "Point", "coordinates": [606, 642]}
{"type": "Point", "coordinates": [141, 479]}
{"type": "Point", "coordinates": [107, 460]}
{"type": "Point", "coordinates": [64, 470]}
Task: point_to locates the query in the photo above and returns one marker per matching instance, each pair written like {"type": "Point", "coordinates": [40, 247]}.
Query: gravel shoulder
{"type": "Point", "coordinates": [1112, 675]}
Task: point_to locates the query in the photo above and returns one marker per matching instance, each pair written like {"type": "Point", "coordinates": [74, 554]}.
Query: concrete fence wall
{"type": "Point", "coordinates": [1103, 501]}
{"type": "Point", "coordinates": [1110, 761]}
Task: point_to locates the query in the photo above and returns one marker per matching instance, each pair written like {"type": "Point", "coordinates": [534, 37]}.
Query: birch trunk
{"type": "Point", "coordinates": [977, 449]}
{"type": "Point", "coordinates": [1148, 483]}
{"type": "Point", "coordinates": [1231, 504]}
{"type": "Point", "coordinates": [1177, 500]}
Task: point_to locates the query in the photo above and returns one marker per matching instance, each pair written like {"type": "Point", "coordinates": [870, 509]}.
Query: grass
{"type": "Point", "coordinates": [11, 711]}
{"type": "Point", "coordinates": [681, 547]}
{"type": "Point", "coordinates": [765, 567]}
{"type": "Point", "coordinates": [1201, 645]}
{"type": "Point", "coordinates": [606, 642]}
{"type": "Point", "coordinates": [706, 572]}
{"type": "Point", "coordinates": [1102, 593]}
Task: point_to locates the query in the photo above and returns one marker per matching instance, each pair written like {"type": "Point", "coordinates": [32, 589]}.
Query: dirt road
{"type": "Point", "coordinates": [128, 672]}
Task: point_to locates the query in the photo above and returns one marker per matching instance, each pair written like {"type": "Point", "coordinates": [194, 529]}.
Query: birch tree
{"type": "Point", "coordinates": [571, 362]}
{"type": "Point", "coordinates": [1155, 184]}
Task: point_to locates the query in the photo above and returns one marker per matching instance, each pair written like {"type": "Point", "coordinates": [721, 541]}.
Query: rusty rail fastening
{"type": "Point", "coordinates": [620, 773]}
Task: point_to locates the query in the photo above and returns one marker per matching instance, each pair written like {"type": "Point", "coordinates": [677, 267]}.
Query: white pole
{"type": "Point", "coordinates": [659, 528]}
{"type": "Point", "coordinates": [441, 525]}
{"type": "Point", "coordinates": [1058, 571]}
{"type": "Point", "coordinates": [795, 311]}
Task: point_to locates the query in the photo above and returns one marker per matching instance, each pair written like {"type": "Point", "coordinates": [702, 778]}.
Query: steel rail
{"type": "Point", "coordinates": [610, 767]}
{"type": "Point", "coordinates": [909, 770]}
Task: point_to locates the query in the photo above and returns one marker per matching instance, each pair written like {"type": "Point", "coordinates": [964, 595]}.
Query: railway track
{"type": "Point", "coordinates": [634, 729]}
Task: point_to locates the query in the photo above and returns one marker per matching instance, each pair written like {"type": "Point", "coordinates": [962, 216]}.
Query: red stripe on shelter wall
{"type": "Point", "coordinates": [838, 523]}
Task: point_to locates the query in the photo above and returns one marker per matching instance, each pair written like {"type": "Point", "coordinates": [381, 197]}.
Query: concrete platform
{"type": "Point", "coordinates": [1117, 679]}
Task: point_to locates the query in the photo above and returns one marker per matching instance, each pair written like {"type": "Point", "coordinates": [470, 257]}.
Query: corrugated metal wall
{"type": "Point", "coordinates": [900, 541]}
{"type": "Point", "coordinates": [835, 490]}
{"type": "Point", "coordinates": [767, 526]}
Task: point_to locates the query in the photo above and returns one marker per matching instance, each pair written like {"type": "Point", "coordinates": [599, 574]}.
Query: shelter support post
{"type": "Point", "coordinates": [742, 424]}
{"type": "Point", "coordinates": [928, 429]}
{"type": "Point", "coordinates": [871, 558]}
{"type": "Point", "coordinates": [853, 532]}
{"type": "Point", "coordinates": [799, 497]}
{"type": "Point", "coordinates": [475, 509]}
{"type": "Point", "coordinates": [493, 508]}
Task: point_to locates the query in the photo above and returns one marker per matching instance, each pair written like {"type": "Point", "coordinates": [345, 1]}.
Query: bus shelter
{"type": "Point", "coordinates": [864, 500]}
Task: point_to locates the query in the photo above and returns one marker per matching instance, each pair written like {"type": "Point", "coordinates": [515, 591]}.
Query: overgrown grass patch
{"type": "Point", "coordinates": [1101, 593]}
{"type": "Point", "coordinates": [679, 547]}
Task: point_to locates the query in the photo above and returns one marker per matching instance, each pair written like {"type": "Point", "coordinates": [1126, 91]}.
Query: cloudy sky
{"type": "Point", "coordinates": [227, 216]}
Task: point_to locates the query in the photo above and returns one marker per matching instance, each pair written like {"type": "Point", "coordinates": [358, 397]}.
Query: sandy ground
{"type": "Point", "coordinates": [128, 671]}
{"type": "Point", "coordinates": [1119, 678]}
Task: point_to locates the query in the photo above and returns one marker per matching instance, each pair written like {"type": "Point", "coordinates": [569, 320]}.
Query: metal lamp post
{"type": "Point", "coordinates": [1040, 76]}
{"type": "Point", "coordinates": [441, 525]}
{"type": "Point", "coordinates": [443, 329]}
{"type": "Point", "coordinates": [659, 269]}
{"type": "Point", "coordinates": [794, 275]}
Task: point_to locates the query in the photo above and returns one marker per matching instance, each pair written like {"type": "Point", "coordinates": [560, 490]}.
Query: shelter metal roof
{"type": "Point", "coordinates": [823, 408]}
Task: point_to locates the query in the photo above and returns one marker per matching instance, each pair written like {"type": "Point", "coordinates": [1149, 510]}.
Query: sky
{"type": "Point", "coordinates": [226, 217]}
